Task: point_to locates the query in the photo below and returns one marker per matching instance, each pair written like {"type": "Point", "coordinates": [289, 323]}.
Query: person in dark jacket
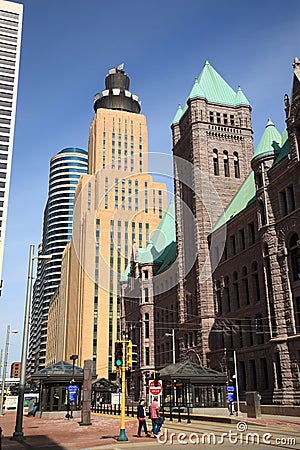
{"type": "Point", "coordinates": [141, 415]}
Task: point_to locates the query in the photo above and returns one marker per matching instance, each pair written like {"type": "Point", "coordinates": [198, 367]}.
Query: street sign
{"type": "Point", "coordinates": [155, 387]}
{"type": "Point", "coordinates": [230, 388]}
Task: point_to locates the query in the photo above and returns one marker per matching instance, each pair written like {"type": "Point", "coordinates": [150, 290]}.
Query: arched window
{"type": "Point", "coordinates": [226, 164]}
{"type": "Point", "coordinates": [294, 250]}
{"type": "Point", "coordinates": [216, 161]}
{"type": "Point", "coordinates": [147, 328]}
{"type": "Point", "coordinates": [236, 164]}
{"type": "Point", "coordinates": [255, 282]}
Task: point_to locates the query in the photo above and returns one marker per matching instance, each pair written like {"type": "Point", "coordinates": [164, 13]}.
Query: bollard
{"type": "Point", "coordinates": [115, 410]}
{"type": "Point", "coordinates": [111, 410]}
{"type": "Point", "coordinates": [179, 416]}
{"type": "Point", "coordinates": [132, 411]}
{"type": "Point", "coordinates": [119, 410]}
{"type": "Point", "coordinates": [188, 415]}
{"type": "Point", "coordinates": [127, 411]}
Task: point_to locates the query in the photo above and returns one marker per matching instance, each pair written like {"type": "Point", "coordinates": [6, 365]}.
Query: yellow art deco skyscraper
{"type": "Point", "coordinates": [117, 207]}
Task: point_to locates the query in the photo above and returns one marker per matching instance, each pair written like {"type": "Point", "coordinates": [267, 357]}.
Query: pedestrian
{"type": "Point", "coordinates": [154, 416]}
{"type": "Point", "coordinates": [35, 408]}
{"type": "Point", "coordinates": [141, 415]}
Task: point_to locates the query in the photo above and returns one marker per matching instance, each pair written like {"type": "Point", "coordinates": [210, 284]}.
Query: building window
{"type": "Point", "coordinates": [255, 282]}
{"type": "Point", "coordinates": [245, 285]}
{"type": "Point", "coordinates": [106, 194]}
{"type": "Point", "coordinates": [264, 373]}
{"type": "Point", "coordinates": [147, 327]}
{"type": "Point", "coordinates": [130, 195]}
{"type": "Point", "coordinates": [259, 328]}
{"type": "Point", "coordinates": [226, 164]}
{"type": "Point", "coordinates": [236, 290]}
{"type": "Point", "coordinates": [146, 295]}
{"type": "Point", "coordinates": [218, 117]}
{"type": "Point", "coordinates": [282, 203]}
{"type": "Point", "coordinates": [231, 119]}
{"type": "Point", "coordinates": [290, 198]}
{"type": "Point", "coordinates": [278, 371]}
{"type": "Point", "coordinates": [249, 331]}
{"type": "Point", "coordinates": [297, 314]}
{"type": "Point", "coordinates": [211, 116]}
{"type": "Point", "coordinates": [294, 250]}
{"type": "Point", "coordinates": [218, 298]}
{"type": "Point", "coordinates": [251, 233]}
{"type": "Point", "coordinates": [123, 194]}
{"type": "Point", "coordinates": [226, 294]}
{"type": "Point", "coordinates": [240, 333]}
{"type": "Point", "coordinates": [242, 374]}
{"type": "Point", "coordinates": [146, 197]}
{"type": "Point", "coordinates": [262, 213]}
{"type": "Point", "coordinates": [216, 162]}
{"type": "Point", "coordinates": [232, 245]}
{"type": "Point", "coordinates": [242, 239]}
{"type": "Point", "coordinates": [140, 234]}
{"type": "Point", "coordinates": [160, 204]}
{"type": "Point", "coordinates": [136, 195]}
{"type": "Point", "coordinates": [147, 356]}
{"type": "Point", "coordinates": [116, 193]}
{"type": "Point", "coordinates": [236, 165]}
{"type": "Point", "coordinates": [225, 119]}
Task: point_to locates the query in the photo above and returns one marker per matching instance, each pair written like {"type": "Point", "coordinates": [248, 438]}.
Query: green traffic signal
{"type": "Point", "coordinates": [118, 354]}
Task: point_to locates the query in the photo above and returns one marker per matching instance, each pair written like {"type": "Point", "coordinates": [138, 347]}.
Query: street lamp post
{"type": "Point", "coordinates": [18, 433]}
{"type": "Point", "coordinates": [5, 366]}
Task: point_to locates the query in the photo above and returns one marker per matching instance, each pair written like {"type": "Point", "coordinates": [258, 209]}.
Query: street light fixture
{"type": "Point", "coordinates": [18, 433]}
{"type": "Point", "coordinates": [5, 366]}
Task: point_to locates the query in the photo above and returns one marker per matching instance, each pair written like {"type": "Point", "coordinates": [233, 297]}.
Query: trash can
{"type": "Point", "coordinates": [253, 404]}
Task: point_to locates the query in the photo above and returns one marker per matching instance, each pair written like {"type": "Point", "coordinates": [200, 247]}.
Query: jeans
{"type": "Point", "coordinates": [142, 423]}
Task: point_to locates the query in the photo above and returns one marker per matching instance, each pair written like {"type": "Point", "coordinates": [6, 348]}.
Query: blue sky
{"type": "Point", "coordinates": [68, 46]}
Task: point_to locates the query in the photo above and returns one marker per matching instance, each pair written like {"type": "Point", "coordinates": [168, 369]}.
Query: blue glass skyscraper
{"type": "Point", "coordinates": [65, 170]}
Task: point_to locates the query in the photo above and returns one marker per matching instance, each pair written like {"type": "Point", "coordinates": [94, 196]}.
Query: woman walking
{"type": "Point", "coordinates": [141, 415]}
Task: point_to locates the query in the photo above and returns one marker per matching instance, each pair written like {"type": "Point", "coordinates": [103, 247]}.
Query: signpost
{"type": "Point", "coordinates": [155, 390]}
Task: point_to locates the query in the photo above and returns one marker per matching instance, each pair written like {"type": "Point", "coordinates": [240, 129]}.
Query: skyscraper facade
{"type": "Point", "coordinates": [65, 170]}
{"type": "Point", "coordinates": [117, 208]}
{"type": "Point", "coordinates": [11, 15]}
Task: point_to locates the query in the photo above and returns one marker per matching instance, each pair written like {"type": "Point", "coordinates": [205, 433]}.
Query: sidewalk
{"type": "Point", "coordinates": [63, 434]}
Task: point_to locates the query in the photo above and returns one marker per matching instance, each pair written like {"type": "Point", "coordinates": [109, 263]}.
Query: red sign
{"type": "Point", "coordinates": [155, 387]}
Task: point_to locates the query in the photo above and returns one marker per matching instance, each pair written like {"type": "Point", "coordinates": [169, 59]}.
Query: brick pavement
{"type": "Point", "coordinates": [61, 434]}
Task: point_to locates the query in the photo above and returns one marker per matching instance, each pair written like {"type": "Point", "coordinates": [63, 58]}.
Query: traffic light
{"type": "Point", "coordinates": [156, 378]}
{"type": "Point", "coordinates": [132, 355]}
{"type": "Point", "coordinates": [119, 354]}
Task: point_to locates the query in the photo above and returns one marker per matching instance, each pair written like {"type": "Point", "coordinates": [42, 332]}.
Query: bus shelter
{"type": "Point", "coordinates": [186, 384]}
{"type": "Point", "coordinates": [54, 381]}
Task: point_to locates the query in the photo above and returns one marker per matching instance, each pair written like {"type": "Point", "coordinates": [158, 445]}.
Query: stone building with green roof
{"type": "Point", "coordinates": [212, 150]}
{"type": "Point", "coordinates": [257, 275]}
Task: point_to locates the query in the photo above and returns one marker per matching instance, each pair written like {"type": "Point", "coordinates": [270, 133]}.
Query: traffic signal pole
{"type": "Point", "coordinates": [122, 436]}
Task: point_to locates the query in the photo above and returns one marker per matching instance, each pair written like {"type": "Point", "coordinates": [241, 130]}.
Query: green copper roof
{"type": "Point", "coordinates": [240, 98]}
{"type": "Point", "coordinates": [211, 86]}
{"type": "Point", "coordinates": [269, 143]}
{"type": "Point", "coordinates": [162, 237]}
{"type": "Point", "coordinates": [242, 199]}
{"type": "Point", "coordinates": [285, 148]}
{"type": "Point", "coordinates": [217, 90]}
{"type": "Point", "coordinates": [196, 90]}
{"type": "Point", "coordinates": [178, 115]}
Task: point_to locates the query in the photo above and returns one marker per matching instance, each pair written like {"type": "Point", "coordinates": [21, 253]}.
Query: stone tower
{"type": "Point", "coordinates": [212, 149]}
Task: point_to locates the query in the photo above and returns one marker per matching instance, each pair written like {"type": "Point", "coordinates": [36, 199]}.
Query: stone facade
{"type": "Point", "coordinates": [212, 148]}
{"type": "Point", "coordinates": [257, 282]}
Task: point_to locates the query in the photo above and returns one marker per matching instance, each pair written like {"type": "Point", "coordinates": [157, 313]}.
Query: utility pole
{"type": "Point", "coordinates": [4, 369]}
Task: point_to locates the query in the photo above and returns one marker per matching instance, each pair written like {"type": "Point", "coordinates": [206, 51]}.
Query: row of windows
{"type": "Point", "coordinates": [235, 243]}
{"type": "Point", "coordinates": [216, 117]}
{"type": "Point", "coordinates": [226, 163]}
{"type": "Point", "coordinates": [287, 200]}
